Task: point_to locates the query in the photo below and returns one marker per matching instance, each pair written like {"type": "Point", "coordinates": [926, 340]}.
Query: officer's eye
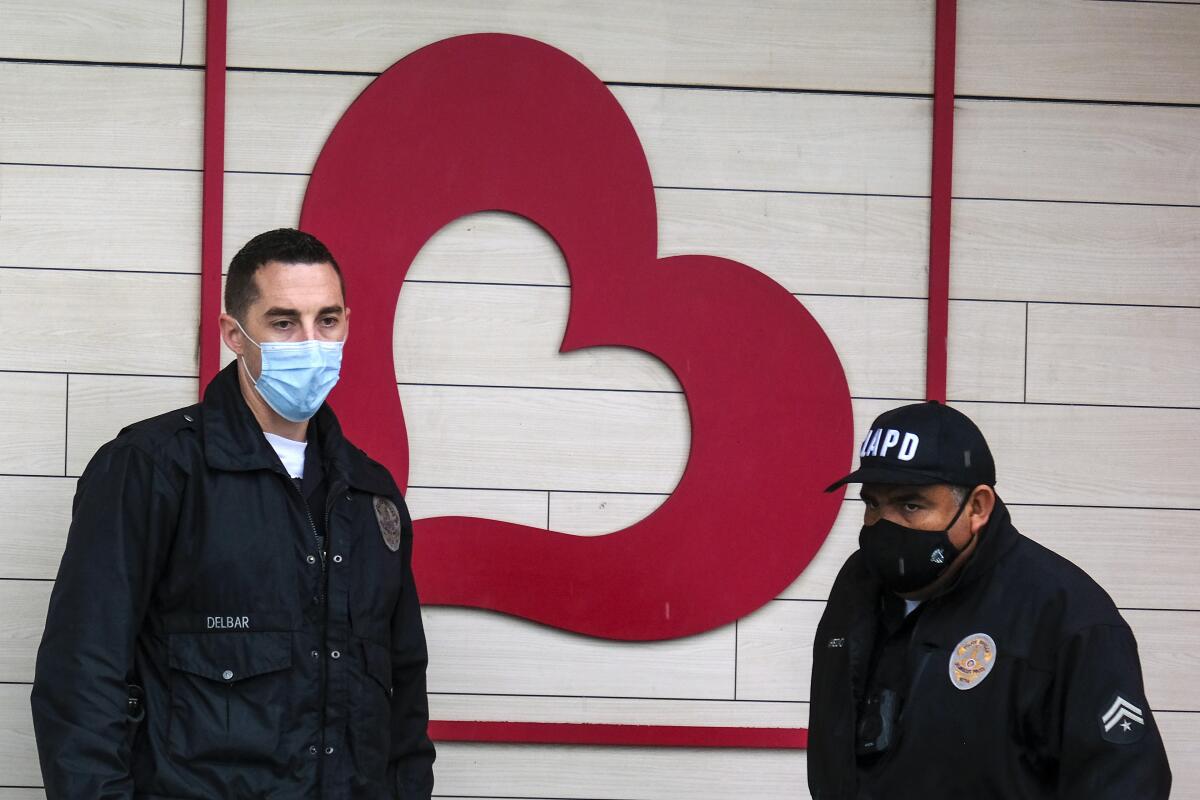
{"type": "Point", "coordinates": [281, 324]}
{"type": "Point", "coordinates": [911, 508]}
{"type": "Point", "coordinates": [329, 322]}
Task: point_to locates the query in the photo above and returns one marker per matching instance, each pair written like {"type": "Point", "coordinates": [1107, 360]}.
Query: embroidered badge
{"type": "Point", "coordinates": [971, 661]}
{"type": "Point", "coordinates": [1122, 721]}
{"type": "Point", "coordinates": [389, 522]}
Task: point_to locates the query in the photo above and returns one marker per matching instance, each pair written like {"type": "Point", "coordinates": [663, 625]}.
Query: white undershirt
{"type": "Point", "coordinates": [290, 452]}
{"type": "Point", "coordinates": [910, 606]}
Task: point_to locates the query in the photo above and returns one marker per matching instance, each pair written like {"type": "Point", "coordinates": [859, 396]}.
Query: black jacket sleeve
{"type": "Point", "coordinates": [123, 518]}
{"type": "Point", "coordinates": [1109, 744]}
{"type": "Point", "coordinates": [411, 758]}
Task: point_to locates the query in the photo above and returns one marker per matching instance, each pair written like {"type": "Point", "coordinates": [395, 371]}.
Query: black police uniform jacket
{"type": "Point", "coordinates": [192, 570]}
{"type": "Point", "coordinates": [1044, 722]}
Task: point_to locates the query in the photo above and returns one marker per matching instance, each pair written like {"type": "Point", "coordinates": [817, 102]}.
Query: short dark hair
{"type": "Point", "coordinates": [286, 245]}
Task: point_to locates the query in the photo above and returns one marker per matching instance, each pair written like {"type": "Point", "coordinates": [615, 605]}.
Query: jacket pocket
{"type": "Point", "coordinates": [372, 713]}
{"type": "Point", "coordinates": [230, 695]}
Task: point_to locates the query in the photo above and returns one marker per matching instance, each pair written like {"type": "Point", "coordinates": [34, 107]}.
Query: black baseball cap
{"type": "Point", "coordinates": [921, 444]}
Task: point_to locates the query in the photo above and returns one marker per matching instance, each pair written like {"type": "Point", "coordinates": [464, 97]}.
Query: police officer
{"type": "Point", "coordinates": [235, 614]}
{"type": "Point", "coordinates": [957, 658]}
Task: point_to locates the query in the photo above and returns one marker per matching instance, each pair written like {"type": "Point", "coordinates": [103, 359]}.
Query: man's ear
{"type": "Point", "coordinates": [231, 334]}
{"type": "Point", "coordinates": [980, 505]}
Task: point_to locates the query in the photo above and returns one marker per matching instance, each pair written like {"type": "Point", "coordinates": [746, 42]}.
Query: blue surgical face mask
{"type": "Point", "coordinates": [296, 377]}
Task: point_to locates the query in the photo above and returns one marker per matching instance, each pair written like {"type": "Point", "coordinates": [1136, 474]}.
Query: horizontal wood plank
{"type": "Point", "coordinates": [25, 604]}
{"type": "Point", "coordinates": [1113, 355]}
{"type": "Point", "coordinates": [985, 349]}
{"type": "Point", "coordinates": [101, 405]}
{"type": "Point", "coordinates": [519, 508]}
{"type": "Point", "coordinates": [1078, 49]}
{"type": "Point", "coordinates": [482, 652]}
{"type": "Point", "coordinates": [32, 417]}
{"type": "Point", "coordinates": [99, 219]}
{"type": "Point", "coordinates": [774, 650]}
{"type": "Point", "coordinates": [1074, 151]}
{"type": "Point", "coordinates": [692, 137]}
{"type": "Point", "coordinates": [590, 514]}
{"type": "Point", "coordinates": [589, 773]}
{"type": "Point", "coordinates": [100, 322]}
{"type": "Point", "coordinates": [619, 710]}
{"type": "Point", "coordinates": [1079, 455]}
{"type": "Point", "coordinates": [99, 116]}
{"type": "Point", "coordinates": [1169, 647]}
{"type": "Point", "coordinates": [545, 439]}
{"type": "Point", "coordinates": [810, 244]}
{"type": "Point", "coordinates": [1075, 252]}
{"type": "Point", "coordinates": [854, 44]}
{"type": "Point", "coordinates": [37, 515]}
{"type": "Point", "coordinates": [131, 31]}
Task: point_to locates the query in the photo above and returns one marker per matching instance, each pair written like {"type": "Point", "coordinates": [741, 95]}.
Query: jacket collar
{"type": "Point", "coordinates": [995, 539]}
{"type": "Point", "coordinates": [234, 441]}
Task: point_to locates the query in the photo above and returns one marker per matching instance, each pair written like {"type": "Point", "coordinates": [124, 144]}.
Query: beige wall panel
{"type": "Point", "coordinates": [194, 14]}
{"type": "Point", "coordinates": [519, 508]}
{"type": "Point", "coordinates": [100, 322]}
{"type": "Point", "coordinates": [18, 753]}
{"type": "Point", "coordinates": [258, 203]}
{"type": "Point", "coordinates": [21, 626]}
{"type": "Point", "coordinates": [1137, 457]}
{"type": "Point", "coordinates": [1136, 555]}
{"type": "Point", "coordinates": [545, 439]}
{"type": "Point", "coordinates": [483, 652]}
{"type": "Point", "coordinates": [591, 514]}
{"type": "Point", "coordinates": [619, 710]}
{"type": "Point", "coordinates": [1075, 252]}
{"type": "Point", "coordinates": [22, 794]}
{"type": "Point", "coordinates": [817, 578]}
{"type": "Point", "coordinates": [811, 244]}
{"type": "Point", "coordinates": [767, 140]}
{"type": "Point", "coordinates": [846, 45]}
{"type": "Point", "coordinates": [816, 244]}
{"type": "Point", "coordinates": [509, 336]}
{"type": "Point", "coordinates": [774, 649]}
{"type": "Point", "coordinates": [130, 31]}
{"type": "Point", "coordinates": [37, 513]}
{"type": "Point", "coordinates": [1181, 736]}
{"type": "Point", "coordinates": [99, 219]}
{"type": "Point", "coordinates": [646, 773]}
{"type": "Point", "coordinates": [986, 351]}
{"type": "Point", "coordinates": [1114, 355]}
{"type": "Point", "coordinates": [1169, 647]}
{"type": "Point", "coordinates": [99, 116]}
{"type": "Point", "coordinates": [693, 137]}
{"type": "Point", "coordinates": [1078, 49]}
{"type": "Point", "coordinates": [101, 405]}
{"type": "Point", "coordinates": [32, 419]}
{"type": "Point", "coordinates": [1074, 151]}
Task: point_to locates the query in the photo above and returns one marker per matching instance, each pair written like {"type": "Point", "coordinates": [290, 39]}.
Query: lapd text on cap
{"type": "Point", "coordinates": [880, 440]}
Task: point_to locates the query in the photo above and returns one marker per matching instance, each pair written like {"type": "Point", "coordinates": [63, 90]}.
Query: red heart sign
{"type": "Point", "coordinates": [497, 122]}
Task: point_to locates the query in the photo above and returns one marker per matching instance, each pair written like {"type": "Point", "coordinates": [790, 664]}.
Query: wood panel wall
{"type": "Point", "coordinates": [793, 137]}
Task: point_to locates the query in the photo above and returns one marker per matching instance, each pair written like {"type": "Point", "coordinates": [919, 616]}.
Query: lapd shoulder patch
{"type": "Point", "coordinates": [1121, 722]}
{"type": "Point", "coordinates": [971, 660]}
{"type": "Point", "coordinates": [389, 522]}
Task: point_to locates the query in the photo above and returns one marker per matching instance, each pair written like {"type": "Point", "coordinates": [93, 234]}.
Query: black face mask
{"type": "Point", "coordinates": [907, 559]}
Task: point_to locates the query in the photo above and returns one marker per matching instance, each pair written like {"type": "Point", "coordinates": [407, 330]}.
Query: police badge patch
{"type": "Point", "coordinates": [389, 522]}
{"type": "Point", "coordinates": [971, 660]}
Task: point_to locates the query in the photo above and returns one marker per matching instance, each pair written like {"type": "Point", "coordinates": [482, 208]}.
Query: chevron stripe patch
{"type": "Point", "coordinates": [1123, 722]}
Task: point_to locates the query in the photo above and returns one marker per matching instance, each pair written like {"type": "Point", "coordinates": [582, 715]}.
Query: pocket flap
{"type": "Point", "coordinates": [379, 663]}
{"type": "Point", "coordinates": [230, 657]}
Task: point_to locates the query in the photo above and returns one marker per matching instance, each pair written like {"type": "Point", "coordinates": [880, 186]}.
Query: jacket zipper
{"type": "Point", "coordinates": [323, 602]}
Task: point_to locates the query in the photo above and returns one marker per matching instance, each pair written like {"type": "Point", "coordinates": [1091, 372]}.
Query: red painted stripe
{"type": "Point", "coordinates": [618, 735]}
{"type": "Point", "coordinates": [214, 189]}
{"type": "Point", "coordinates": [939, 205]}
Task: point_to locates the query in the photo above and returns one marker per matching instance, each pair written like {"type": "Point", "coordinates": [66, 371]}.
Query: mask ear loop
{"type": "Point", "coordinates": [242, 360]}
{"type": "Point", "coordinates": [958, 514]}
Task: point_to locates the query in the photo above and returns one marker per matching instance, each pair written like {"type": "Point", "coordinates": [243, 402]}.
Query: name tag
{"type": "Point", "coordinates": [214, 623]}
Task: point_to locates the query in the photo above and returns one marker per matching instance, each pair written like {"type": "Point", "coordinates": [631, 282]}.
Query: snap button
{"type": "Point", "coordinates": [188, 418]}
{"type": "Point", "coordinates": [336, 654]}
{"type": "Point", "coordinates": [316, 654]}
{"type": "Point", "coordinates": [227, 674]}
{"type": "Point", "coordinates": [312, 750]}
{"type": "Point", "coordinates": [328, 751]}
{"type": "Point", "coordinates": [337, 559]}
{"type": "Point", "coordinates": [311, 559]}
